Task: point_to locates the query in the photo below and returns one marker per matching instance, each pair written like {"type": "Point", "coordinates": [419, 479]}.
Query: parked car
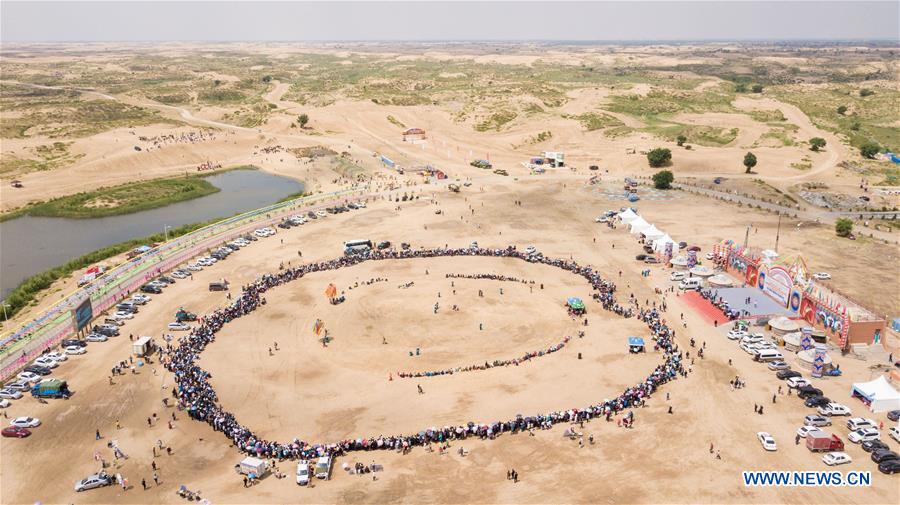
{"type": "Point", "coordinates": [176, 326]}
{"type": "Point", "coordinates": [323, 467]}
{"type": "Point", "coordinates": [677, 276]}
{"type": "Point", "coordinates": [384, 245]}
{"type": "Point", "coordinates": [890, 466]}
{"type": "Point", "coordinates": [75, 349]}
{"type": "Point", "coordinates": [15, 432]}
{"type": "Point", "coordinates": [94, 481]}
{"type": "Point", "coordinates": [822, 276]}
{"type": "Point", "coordinates": [5, 403]}
{"type": "Point", "coordinates": [882, 455]}
{"type": "Point", "coordinates": [855, 423]}
{"type": "Point", "coordinates": [96, 337]}
{"type": "Point", "coordinates": [834, 409]}
{"type": "Point", "coordinates": [778, 365]}
{"type": "Point", "coordinates": [816, 420]}
{"type": "Point", "coordinates": [194, 267]}
{"type": "Point", "coordinates": [805, 392]}
{"type": "Point", "coordinates": [10, 394]}
{"type": "Point", "coordinates": [18, 385]}
{"type": "Point", "coordinates": [140, 299]}
{"type": "Point", "coordinates": [321, 213]}
{"type": "Point", "coordinates": [766, 440]}
{"type": "Point", "coordinates": [787, 374]}
{"type": "Point", "coordinates": [123, 314]}
{"type": "Point", "coordinates": [38, 369]}
{"type": "Point", "coordinates": [797, 382]}
{"type": "Point", "coordinates": [873, 445]}
{"type": "Point", "coordinates": [805, 429]}
{"type": "Point", "coordinates": [816, 401]}
{"type": "Point", "coordinates": [894, 432]}
{"type": "Point", "coordinates": [25, 422]}
{"type": "Point", "coordinates": [46, 362]}
{"type": "Point", "coordinates": [178, 275]}
{"type": "Point", "coordinates": [149, 288]}
{"type": "Point", "coordinates": [302, 472]}
{"type": "Point", "coordinates": [894, 415]}
{"type": "Point", "coordinates": [836, 458]}
{"type": "Point", "coordinates": [73, 342]}
{"type": "Point", "coordinates": [863, 434]}
{"type": "Point", "coordinates": [28, 377]}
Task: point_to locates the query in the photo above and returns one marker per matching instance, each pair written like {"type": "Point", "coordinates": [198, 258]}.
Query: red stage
{"type": "Point", "coordinates": [709, 312]}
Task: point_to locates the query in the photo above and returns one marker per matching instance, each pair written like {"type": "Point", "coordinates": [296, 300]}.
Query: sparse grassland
{"type": "Point", "coordinates": [47, 157]}
{"type": "Point", "coordinates": [396, 122]}
{"type": "Point", "coordinates": [496, 121]}
{"type": "Point", "coordinates": [592, 121]}
{"type": "Point", "coordinates": [123, 199]}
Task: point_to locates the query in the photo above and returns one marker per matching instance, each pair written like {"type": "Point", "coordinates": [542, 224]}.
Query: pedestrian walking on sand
{"type": "Point", "coordinates": [155, 478]}
{"type": "Point", "coordinates": [97, 435]}
{"type": "Point", "coordinates": [421, 391]}
{"type": "Point", "coordinates": [144, 484]}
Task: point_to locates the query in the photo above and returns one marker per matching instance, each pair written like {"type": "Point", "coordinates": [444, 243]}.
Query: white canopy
{"type": "Point", "coordinates": [627, 216]}
{"type": "Point", "coordinates": [639, 224]}
{"type": "Point", "coordinates": [880, 395]}
{"type": "Point", "coordinates": [653, 233]}
{"type": "Point", "coordinates": [659, 244]}
{"type": "Point", "coordinates": [721, 280]}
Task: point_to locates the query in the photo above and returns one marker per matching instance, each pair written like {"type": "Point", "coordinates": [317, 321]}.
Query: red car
{"type": "Point", "coordinates": [16, 432]}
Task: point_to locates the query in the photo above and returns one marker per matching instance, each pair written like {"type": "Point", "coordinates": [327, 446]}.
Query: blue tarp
{"type": "Point", "coordinates": [635, 342]}
{"type": "Point", "coordinates": [895, 324]}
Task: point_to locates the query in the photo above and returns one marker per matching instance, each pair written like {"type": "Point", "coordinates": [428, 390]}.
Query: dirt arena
{"type": "Point", "coordinates": [316, 393]}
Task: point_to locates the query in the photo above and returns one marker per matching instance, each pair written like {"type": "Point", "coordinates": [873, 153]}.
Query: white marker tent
{"type": "Point", "coordinates": [653, 233]}
{"type": "Point", "coordinates": [639, 225]}
{"type": "Point", "coordinates": [659, 245]}
{"type": "Point", "coordinates": [878, 394]}
{"type": "Point", "coordinates": [627, 216]}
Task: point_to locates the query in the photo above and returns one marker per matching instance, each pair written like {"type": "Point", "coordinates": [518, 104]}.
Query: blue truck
{"type": "Point", "coordinates": [51, 388]}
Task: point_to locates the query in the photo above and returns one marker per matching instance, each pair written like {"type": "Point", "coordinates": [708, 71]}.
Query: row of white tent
{"type": "Point", "coordinates": [638, 225]}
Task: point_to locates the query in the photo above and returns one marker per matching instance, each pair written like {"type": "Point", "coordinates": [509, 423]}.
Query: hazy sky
{"type": "Point", "coordinates": [36, 21]}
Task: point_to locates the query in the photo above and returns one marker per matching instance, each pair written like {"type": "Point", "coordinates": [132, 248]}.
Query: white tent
{"type": "Point", "coordinates": [653, 233]}
{"type": "Point", "coordinates": [880, 395]}
{"type": "Point", "coordinates": [627, 216]}
{"type": "Point", "coordinates": [659, 245]}
{"type": "Point", "coordinates": [639, 225]}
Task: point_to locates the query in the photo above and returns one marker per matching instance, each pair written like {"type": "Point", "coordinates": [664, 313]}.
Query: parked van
{"type": "Point", "coordinates": [218, 286]}
{"type": "Point", "coordinates": [689, 283]}
{"type": "Point", "coordinates": [769, 355]}
{"type": "Point", "coordinates": [323, 468]}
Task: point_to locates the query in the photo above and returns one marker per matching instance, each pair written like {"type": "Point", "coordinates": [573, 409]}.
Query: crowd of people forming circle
{"type": "Point", "coordinates": [195, 394]}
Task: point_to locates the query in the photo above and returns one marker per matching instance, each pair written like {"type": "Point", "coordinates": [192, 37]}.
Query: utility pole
{"type": "Point", "coordinates": [778, 232]}
{"type": "Point", "coordinates": [747, 235]}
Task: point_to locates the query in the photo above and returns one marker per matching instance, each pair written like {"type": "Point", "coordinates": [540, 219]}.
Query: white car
{"type": "Point", "coordinates": [736, 335]}
{"type": "Point", "coordinates": [94, 481]}
{"type": "Point", "coordinates": [10, 394]}
{"type": "Point", "coordinates": [302, 472]}
{"type": "Point", "coordinates": [748, 348]}
{"type": "Point", "coordinates": [752, 339]}
{"type": "Point", "coordinates": [856, 423]}
{"type": "Point", "coordinates": [75, 349]}
{"type": "Point", "coordinates": [194, 267]}
{"type": "Point", "coordinates": [5, 403]}
{"type": "Point", "coordinates": [321, 213]}
{"type": "Point", "coordinates": [56, 356]}
{"type": "Point", "coordinates": [677, 276]}
{"type": "Point", "coordinates": [778, 365]}
{"type": "Point", "coordinates": [806, 430]}
{"type": "Point", "coordinates": [822, 276]}
{"type": "Point", "coordinates": [797, 382]}
{"type": "Point", "coordinates": [19, 385]}
{"type": "Point", "coordinates": [122, 315]}
{"type": "Point", "coordinates": [46, 361]}
{"type": "Point", "coordinates": [178, 275]}
{"type": "Point", "coordinates": [836, 458]}
{"type": "Point", "coordinates": [601, 219]}
{"type": "Point", "coordinates": [834, 409]}
{"type": "Point", "coordinates": [28, 377]}
{"type": "Point", "coordinates": [863, 435]}
{"type": "Point", "coordinates": [895, 433]}
{"type": "Point", "coordinates": [140, 298]}
{"type": "Point", "coordinates": [530, 250]}
{"type": "Point", "coordinates": [25, 422]}
{"type": "Point", "coordinates": [176, 326]}
{"type": "Point", "coordinates": [96, 337]}
{"type": "Point", "coordinates": [710, 256]}
{"type": "Point", "coordinates": [766, 440]}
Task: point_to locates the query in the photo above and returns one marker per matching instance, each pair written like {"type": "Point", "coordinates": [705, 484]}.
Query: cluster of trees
{"type": "Point", "coordinates": [843, 227]}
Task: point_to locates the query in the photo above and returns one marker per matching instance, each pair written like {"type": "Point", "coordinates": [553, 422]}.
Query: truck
{"type": "Point", "coordinates": [51, 388]}
{"type": "Point", "coordinates": [183, 315]}
{"type": "Point", "coordinates": [142, 346]}
{"type": "Point", "coordinates": [819, 441]}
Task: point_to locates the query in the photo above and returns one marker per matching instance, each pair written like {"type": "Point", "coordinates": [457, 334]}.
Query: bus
{"type": "Point", "coordinates": [357, 246]}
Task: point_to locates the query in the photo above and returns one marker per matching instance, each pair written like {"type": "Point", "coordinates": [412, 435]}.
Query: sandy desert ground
{"type": "Point", "coordinates": [308, 391]}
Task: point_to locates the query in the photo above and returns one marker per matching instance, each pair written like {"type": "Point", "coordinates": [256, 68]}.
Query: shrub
{"type": "Point", "coordinates": [663, 179]}
{"type": "Point", "coordinates": [659, 157]}
{"type": "Point", "coordinates": [843, 227]}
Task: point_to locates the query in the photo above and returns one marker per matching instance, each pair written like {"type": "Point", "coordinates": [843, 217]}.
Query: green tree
{"type": "Point", "coordinates": [757, 88]}
{"type": "Point", "coordinates": [869, 149]}
{"type": "Point", "coordinates": [843, 227]}
{"type": "Point", "coordinates": [749, 161]}
{"type": "Point", "coordinates": [816, 143]}
{"type": "Point", "coordinates": [681, 140]}
{"type": "Point", "coordinates": [303, 119]}
{"type": "Point", "coordinates": [842, 109]}
{"type": "Point", "coordinates": [740, 87]}
{"type": "Point", "coordinates": [659, 157]}
{"type": "Point", "coordinates": [866, 92]}
{"type": "Point", "coordinates": [663, 179]}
